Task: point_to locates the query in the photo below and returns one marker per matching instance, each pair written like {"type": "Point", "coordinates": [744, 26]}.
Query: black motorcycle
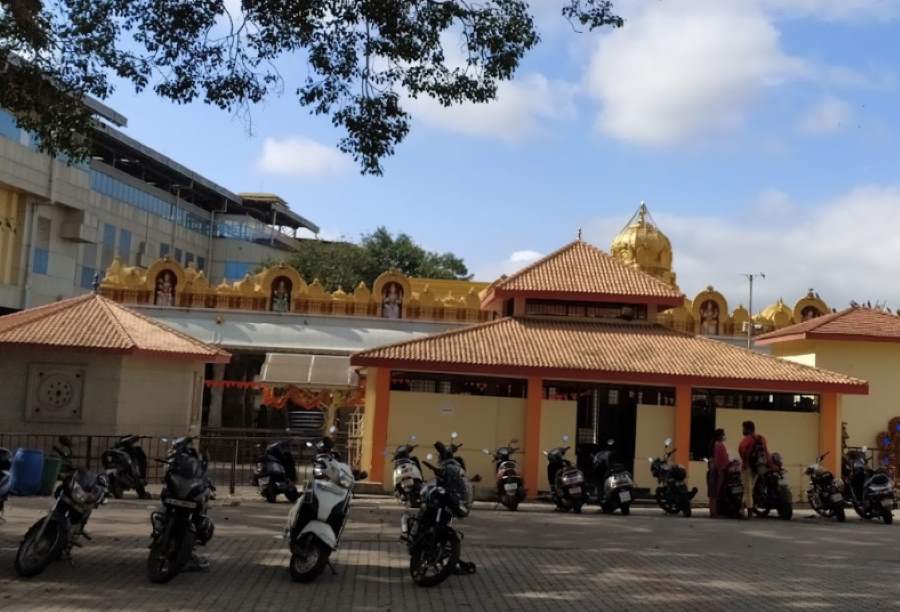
{"type": "Point", "coordinates": [510, 484]}
{"type": "Point", "coordinates": [5, 477]}
{"type": "Point", "coordinates": [407, 474]}
{"type": "Point", "coordinates": [871, 492]}
{"type": "Point", "coordinates": [672, 494]}
{"type": "Point", "coordinates": [567, 486]}
{"type": "Point", "coordinates": [610, 483]}
{"type": "Point", "coordinates": [52, 537]}
{"type": "Point", "coordinates": [772, 492]}
{"type": "Point", "coordinates": [126, 467]}
{"type": "Point", "coordinates": [181, 522]}
{"type": "Point", "coordinates": [730, 502]}
{"type": "Point", "coordinates": [276, 473]}
{"type": "Point", "coordinates": [434, 545]}
{"type": "Point", "coordinates": [825, 493]}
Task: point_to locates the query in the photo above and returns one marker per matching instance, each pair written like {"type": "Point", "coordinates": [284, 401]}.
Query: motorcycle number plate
{"type": "Point", "coordinates": [624, 496]}
{"type": "Point", "coordinates": [510, 486]}
{"type": "Point", "coordinates": [575, 490]}
{"type": "Point", "coordinates": [179, 503]}
{"type": "Point", "coordinates": [264, 480]}
{"type": "Point", "coordinates": [887, 503]}
{"type": "Point", "coordinates": [736, 490]}
{"type": "Point", "coordinates": [836, 497]}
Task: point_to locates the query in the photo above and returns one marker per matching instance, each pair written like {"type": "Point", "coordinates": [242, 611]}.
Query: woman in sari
{"type": "Point", "coordinates": [718, 461]}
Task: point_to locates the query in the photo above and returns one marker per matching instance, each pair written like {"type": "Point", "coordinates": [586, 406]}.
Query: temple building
{"type": "Point", "coordinates": [573, 346]}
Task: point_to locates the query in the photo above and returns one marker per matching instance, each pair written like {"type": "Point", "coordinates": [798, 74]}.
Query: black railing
{"type": "Point", "coordinates": [232, 458]}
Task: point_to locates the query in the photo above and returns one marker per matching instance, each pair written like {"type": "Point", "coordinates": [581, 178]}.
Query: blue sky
{"type": "Point", "coordinates": [762, 134]}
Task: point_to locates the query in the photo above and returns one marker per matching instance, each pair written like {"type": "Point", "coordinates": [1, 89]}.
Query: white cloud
{"type": "Point", "coordinates": [515, 262]}
{"type": "Point", "coordinates": [827, 116]}
{"type": "Point", "coordinates": [521, 108]}
{"type": "Point", "coordinates": [846, 248]}
{"type": "Point", "coordinates": [836, 10]}
{"type": "Point", "coordinates": [682, 69]}
{"type": "Point", "coordinates": [299, 156]}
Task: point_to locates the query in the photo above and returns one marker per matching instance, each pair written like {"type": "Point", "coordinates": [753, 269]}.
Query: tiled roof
{"type": "Point", "coordinates": [602, 351]}
{"type": "Point", "coordinates": [94, 322]}
{"type": "Point", "coordinates": [849, 324]}
{"type": "Point", "coordinates": [582, 268]}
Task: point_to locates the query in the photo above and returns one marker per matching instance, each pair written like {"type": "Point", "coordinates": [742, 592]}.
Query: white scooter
{"type": "Point", "coordinates": [407, 474]}
{"type": "Point", "coordinates": [317, 519]}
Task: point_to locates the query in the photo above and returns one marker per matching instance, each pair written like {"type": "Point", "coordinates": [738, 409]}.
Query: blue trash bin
{"type": "Point", "coordinates": [26, 472]}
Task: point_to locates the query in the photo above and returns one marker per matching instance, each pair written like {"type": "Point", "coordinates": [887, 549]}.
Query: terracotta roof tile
{"type": "Point", "coordinates": [849, 324]}
{"type": "Point", "coordinates": [96, 323]}
{"type": "Point", "coordinates": [528, 346]}
{"type": "Point", "coordinates": [580, 267]}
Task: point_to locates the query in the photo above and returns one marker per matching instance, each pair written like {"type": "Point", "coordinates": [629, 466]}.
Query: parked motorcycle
{"type": "Point", "coordinates": [672, 493]}
{"type": "Point", "coordinates": [731, 494]}
{"type": "Point", "coordinates": [434, 545]}
{"type": "Point", "coordinates": [567, 485]}
{"type": "Point", "coordinates": [317, 520]}
{"type": "Point", "coordinates": [772, 492]}
{"type": "Point", "coordinates": [5, 477]}
{"type": "Point", "coordinates": [181, 522]}
{"type": "Point", "coordinates": [825, 491]}
{"type": "Point", "coordinates": [871, 492]}
{"type": "Point", "coordinates": [126, 467]}
{"type": "Point", "coordinates": [610, 483]}
{"type": "Point", "coordinates": [510, 484]}
{"type": "Point", "coordinates": [52, 537]}
{"type": "Point", "coordinates": [276, 473]}
{"type": "Point", "coordinates": [407, 474]}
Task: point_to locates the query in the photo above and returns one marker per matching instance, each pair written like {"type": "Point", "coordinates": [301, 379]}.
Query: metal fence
{"type": "Point", "coordinates": [232, 453]}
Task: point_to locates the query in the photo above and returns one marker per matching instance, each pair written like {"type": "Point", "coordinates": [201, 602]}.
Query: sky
{"type": "Point", "coordinates": [763, 135]}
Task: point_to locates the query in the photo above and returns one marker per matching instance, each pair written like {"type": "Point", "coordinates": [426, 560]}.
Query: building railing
{"type": "Point", "coordinates": [232, 453]}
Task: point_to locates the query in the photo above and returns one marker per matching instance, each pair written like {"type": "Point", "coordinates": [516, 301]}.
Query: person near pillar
{"type": "Point", "coordinates": [715, 475]}
{"type": "Point", "coordinates": [754, 461]}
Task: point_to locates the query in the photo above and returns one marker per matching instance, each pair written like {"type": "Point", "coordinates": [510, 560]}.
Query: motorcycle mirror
{"type": "Point", "coordinates": [565, 437]}
{"type": "Point", "coordinates": [546, 453]}
{"type": "Point", "coordinates": [668, 442]}
{"type": "Point", "coordinates": [454, 436]}
{"type": "Point", "coordinates": [476, 478]}
{"type": "Point", "coordinates": [706, 460]}
{"type": "Point", "coordinates": [412, 438]}
{"type": "Point", "coordinates": [610, 442]}
{"type": "Point", "coordinates": [309, 444]}
{"type": "Point", "coordinates": [513, 441]}
{"type": "Point", "coordinates": [649, 459]}
{"type": "Point", "coordinates": [485, 451]}
{"type": "Point", "coordinates": [332, 429]}
{"type": "Point", "coordinates": [429, 456]}
{"type": "Point", "coordinates": [865, 449]}
{"type": "Point", "coordinates": [164, 440]}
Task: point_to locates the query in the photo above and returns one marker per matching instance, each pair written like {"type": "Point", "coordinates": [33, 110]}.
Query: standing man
{"type": "Point", "coordinates": [754, 461]}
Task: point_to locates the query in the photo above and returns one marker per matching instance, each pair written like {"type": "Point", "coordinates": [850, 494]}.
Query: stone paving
{"type": "Point", "coordinates": [534, 559]}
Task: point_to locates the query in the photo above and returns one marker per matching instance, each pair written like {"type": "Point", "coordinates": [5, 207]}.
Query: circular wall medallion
{"type": "Point", "coordinates": [55, 392]}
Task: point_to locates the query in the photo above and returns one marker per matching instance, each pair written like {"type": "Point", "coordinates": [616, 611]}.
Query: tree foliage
{"type": "Point", "coordinates": [346, 264]}
{"type": "Point", "coordinates": [363, 57]}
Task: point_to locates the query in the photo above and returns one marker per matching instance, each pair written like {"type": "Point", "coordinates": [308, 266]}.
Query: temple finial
{"type": "Point", "coordinates": [579, 234]}
{"type": "Point", "coordinates": [95, 284]}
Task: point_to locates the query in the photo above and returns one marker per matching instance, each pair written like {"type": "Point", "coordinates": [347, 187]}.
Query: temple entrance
{"type": "Point", "coordinates": [610, 411]}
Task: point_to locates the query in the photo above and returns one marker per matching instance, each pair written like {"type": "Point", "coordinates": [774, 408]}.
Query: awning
{"type": "Point", "coordinates": [310, 371]}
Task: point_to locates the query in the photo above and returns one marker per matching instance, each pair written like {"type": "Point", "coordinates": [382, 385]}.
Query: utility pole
{"type": "Point", "coordinates": [750, 277]}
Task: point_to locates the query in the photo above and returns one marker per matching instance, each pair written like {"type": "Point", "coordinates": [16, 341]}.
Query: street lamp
{"type": "Point", "coordinates": [750, 277]}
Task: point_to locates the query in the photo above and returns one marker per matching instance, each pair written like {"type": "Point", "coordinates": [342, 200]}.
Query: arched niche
{"type": "Point", "coordinates": [166, 281]}
{"type": "Point", "coordinates": [710, 312]}
{"type": "Point", "coordinates": [281, 284]}
{"type": "Point", "coordinates": [392, 292]}
{"type": "Point", "coordinates": [809, 307]}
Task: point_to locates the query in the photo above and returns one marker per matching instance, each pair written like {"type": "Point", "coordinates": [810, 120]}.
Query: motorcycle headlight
{"type": "Point", "coordinates": [77, 494]}
{"type": "Point", "coordinates": [318, 471]}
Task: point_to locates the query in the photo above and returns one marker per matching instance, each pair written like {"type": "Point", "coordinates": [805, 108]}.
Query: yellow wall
{"type": "Point", "coordinates": [369, 420]}
{"type": "Point", "coordinates": [793, 434]}
{"type": "Point", "coordinates": [558, 418]}
{"type": "Point", "coordinates": [160, 396]}
{"type": "Point", "coordinates": [11, 230]}
{"type": "Point", "coordinates": [654, 425]}
{"type": "Point", "coordinates": [482, 422]}
{"type": "Point", "coordinates": [807, 359]}
{"type": "Point", "coordinates": [876, 362]}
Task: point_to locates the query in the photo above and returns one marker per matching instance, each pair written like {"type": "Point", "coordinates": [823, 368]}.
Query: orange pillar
{"type": "Point", "coordinates": [682, 441]}
{"type": "Point", "coordinates": [380, 424]}
{"type": "Point", "coordinates": [532, 446]}
{"type": "Point", "coordinates": [829, 431]}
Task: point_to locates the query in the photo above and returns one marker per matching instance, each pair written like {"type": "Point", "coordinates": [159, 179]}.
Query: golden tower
{"type": "Point", "coordinates": [642, 245]}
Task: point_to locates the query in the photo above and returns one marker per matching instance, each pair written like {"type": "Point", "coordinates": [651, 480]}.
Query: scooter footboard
{"type": "Point", "coordinates": [321, 530]}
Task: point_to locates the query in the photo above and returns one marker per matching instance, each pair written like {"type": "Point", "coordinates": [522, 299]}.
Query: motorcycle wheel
{"type": "Point", "coordinates": [512, 504]}
{"type": "Point", "coordinates": [168, 553]}
{"type": "Point", "coordinates": [686, 511]}
{"type": "Point", "coordinates": [816, 504]}
{"type": "Point", "coordinates": [31, 562]}
{"type": "Point", "coordinates": [309, 560]}
{"type": "Point", "coordinates": [786, 512]}
{"type": "Point", "coordinates": [270, 493]}
{"type": "Point", "coordinates": [668, 505]}
{"type": "Point", "coordinates": [888, 517]}
{"type": "Point", "coordinates": [626, 509]}
{"type": "Point", "coordinates": [576, 507]}
{"type": "Point", "coordinates": [292, 494]}
{"type": "Point", "coordinates": [441, 555]}
{"type": "Point", "coordinates": [840, 515]}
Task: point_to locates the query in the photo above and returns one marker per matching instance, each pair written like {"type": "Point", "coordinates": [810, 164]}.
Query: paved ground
{"type": "Point", "coordinates": [531, 560]}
